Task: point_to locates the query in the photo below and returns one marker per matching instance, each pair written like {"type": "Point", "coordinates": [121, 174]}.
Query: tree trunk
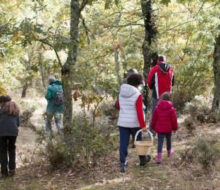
{"type": "Point", "coordinates": [117, 64]}
{"type": "Point", "coordinates": [42, 70]}
{"type": "Point", "coordinates": [216, 70]}
{"type": "Point", "coordinates": [68, 67]}
{"type": "Point", "coordinates": [149, 40]}
{"type": "Point", "coordinates": [24, 90]}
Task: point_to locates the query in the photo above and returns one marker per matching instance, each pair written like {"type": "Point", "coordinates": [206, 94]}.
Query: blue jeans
{"type": "Point", "coordinates": [125, 133]}
{"type": "Point", "coordinates": [58, 121]}
{"type": "Point", "coordinates": [161, 137]}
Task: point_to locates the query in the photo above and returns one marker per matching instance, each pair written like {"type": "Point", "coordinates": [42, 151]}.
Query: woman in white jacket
{"type": "Point", "coordinates": [131, 116]}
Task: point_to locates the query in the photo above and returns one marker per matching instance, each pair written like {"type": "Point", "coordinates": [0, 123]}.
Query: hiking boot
{"type": "Point", "coordinates": [123, 168]}
{"type": "Point", "coordinates": [159, 157]}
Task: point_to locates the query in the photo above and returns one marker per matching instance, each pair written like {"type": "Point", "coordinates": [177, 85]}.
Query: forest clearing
{"type": "Point", "coordinates": [80, 78]}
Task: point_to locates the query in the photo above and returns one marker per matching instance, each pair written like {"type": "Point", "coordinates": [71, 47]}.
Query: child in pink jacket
{"type": "Point", "coordinates": [164, 121]}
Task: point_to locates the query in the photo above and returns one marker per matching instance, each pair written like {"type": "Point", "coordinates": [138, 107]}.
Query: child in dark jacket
{"type": "Point", "coordinates": [164, 121]}
{"type": "Point", "coordinates": [9, 123]}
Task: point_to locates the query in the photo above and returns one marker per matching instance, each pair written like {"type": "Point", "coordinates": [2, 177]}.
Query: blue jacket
{"type": "Point", "coordinates": [8, 125]}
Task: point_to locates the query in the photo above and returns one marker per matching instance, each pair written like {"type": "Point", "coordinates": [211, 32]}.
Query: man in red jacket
{"type": "Point", "coordinates": [160, 80]}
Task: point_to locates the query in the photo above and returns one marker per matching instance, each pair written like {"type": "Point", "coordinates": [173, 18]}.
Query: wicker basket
{"type": "Point", "coordinates": [143, 147]}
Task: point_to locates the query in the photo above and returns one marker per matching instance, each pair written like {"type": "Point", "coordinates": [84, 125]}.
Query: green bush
{"type": "Point", "coordinates": [205, 151]}
{"type": "Point", "coordinates": [190, 125]}
{"type": "Point", "coordinates": [81, 145]}
{"type": "Point", "coordinates": [200, 110]}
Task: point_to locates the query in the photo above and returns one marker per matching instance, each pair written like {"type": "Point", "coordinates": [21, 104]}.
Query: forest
{"type": "Point", "coordinates": [89, 46]}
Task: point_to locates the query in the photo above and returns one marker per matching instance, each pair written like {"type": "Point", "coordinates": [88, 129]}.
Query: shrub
{"type": "Point", "coordinates": [81, 145]}
{"type": "Point", "coordinates": [205, 151]}
{"type": "Point", "coordinates": [199, 109]}
{"type": "Point", "coordinates": [109, 110]}
{"type": "Point", "coordinates": [189, 124]}
{"type": "Point", "coordinates": [25, 119]}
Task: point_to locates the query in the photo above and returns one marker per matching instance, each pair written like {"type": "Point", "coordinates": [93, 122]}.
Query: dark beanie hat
{"type": "Point", "coordinates": [5, 98]}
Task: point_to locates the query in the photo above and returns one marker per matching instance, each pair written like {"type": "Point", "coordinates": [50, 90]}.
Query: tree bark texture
{"type": "Point", "coordinates": [24, 90]}
{"type": "Point", "coordinates": [68, 67]}
{"type": "Point", "coordinates": [42, 70]}
{"type": "Point", "coordinates": [117, 64]}
{"type": "Point", "coordinates": [150, 38]}
{"type": "Point", "coordinates": [216, 70]}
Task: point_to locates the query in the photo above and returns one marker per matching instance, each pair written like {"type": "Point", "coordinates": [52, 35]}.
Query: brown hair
{"type": "Point", "coordinates": [5, 98]}
{"type": "Point", "coordinates": [135, 79]}
{"type": "Point", "coordinates": [10, 108]}
{"type": "Point", "coordinates": [165, 96]}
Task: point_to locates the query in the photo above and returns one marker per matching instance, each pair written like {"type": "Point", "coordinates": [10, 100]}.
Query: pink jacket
{"type": "Point", "coordinates": [164, 119]}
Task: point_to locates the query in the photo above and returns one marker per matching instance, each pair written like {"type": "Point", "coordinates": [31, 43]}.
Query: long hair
{"type": "Point", "coordinates": [10, 108]}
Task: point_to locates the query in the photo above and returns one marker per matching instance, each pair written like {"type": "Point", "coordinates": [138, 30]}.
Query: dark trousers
{"type": "Point", "coordinates": [7, 154]}
{"type": "Point", "coordinates": [124, 141]}
{"type": "Point", "coordinates": [161, 137]}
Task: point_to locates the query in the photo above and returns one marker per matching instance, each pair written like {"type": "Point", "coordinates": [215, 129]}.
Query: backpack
{"type": "Point", "coordinates": [58, 100]}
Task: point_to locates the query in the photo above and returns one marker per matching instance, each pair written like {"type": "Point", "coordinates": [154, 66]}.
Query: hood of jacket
{"type": "Point", "coordinates": [163, 66]}
{"type": "Point", "coordinates": [57, 82]}
{"type": "Point", "coordinates": [164, 105]}
{"type": "Point", "coordinates": [127, 91]}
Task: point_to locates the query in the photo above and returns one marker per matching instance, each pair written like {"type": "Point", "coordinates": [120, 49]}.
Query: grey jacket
{"type": "Point", "coordinates": [8, 125]}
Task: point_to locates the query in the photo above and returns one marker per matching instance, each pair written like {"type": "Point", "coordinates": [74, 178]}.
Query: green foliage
{"type": "Point", "coordinates": [108, 3]}
{"type": "Point", "coordinates": [81, 146]}
{"type": "Point", "coordinates": [205, 151]}
{"type": "Point", "coordinates": [186, 36]}
{"type": "Point", "coordinates": [2, 90]}
{"type": "Point", "coordinates": [190, 125]}
{"type": "Point", "coordinates": [165, 2]}
{"type": "Point", "coordinates": [200, 111]}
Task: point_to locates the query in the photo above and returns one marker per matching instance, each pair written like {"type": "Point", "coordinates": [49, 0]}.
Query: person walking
{"type": "Point", "coordinates": [9, 123]}
{"type": "Point", "coordinates": [164, 121]}
{"type": "Point", "coordinates": [54, 97]}
{"type": "Point", "coordinates": [160, 80]}
{"type": "Point", "coordinates": [131, 117]}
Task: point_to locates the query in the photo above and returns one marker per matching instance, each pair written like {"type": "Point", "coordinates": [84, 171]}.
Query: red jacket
{"type": "Point", "coordinates": [164, 119]}
{"type": "Point", "coordinates": [160, 79]}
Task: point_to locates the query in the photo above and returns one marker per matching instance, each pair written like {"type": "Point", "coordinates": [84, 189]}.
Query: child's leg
{"type": "Point", "coordinates": [169, 144]}
{"type": "Point", "coordinates": [160, 142]}
{"type": "Point", "coordinates": [160, 147]}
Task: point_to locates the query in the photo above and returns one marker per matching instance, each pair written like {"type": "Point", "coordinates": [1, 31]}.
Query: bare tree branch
{"type": "Point", "coordinates": [44, 41]}
{"type": "Point", "coordinates": [86, 28]}
{"type": "Point", "coordinates": [83, 4]}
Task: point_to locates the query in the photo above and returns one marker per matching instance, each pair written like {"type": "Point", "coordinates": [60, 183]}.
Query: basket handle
{"type": "Point", "coordinates": [148, 131]}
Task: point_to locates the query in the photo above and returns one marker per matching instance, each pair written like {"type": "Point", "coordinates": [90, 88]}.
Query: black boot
{"type": "Point", "coordinates": [123, 168]}
{"type": "Point", "coordinates": [144, 160]}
